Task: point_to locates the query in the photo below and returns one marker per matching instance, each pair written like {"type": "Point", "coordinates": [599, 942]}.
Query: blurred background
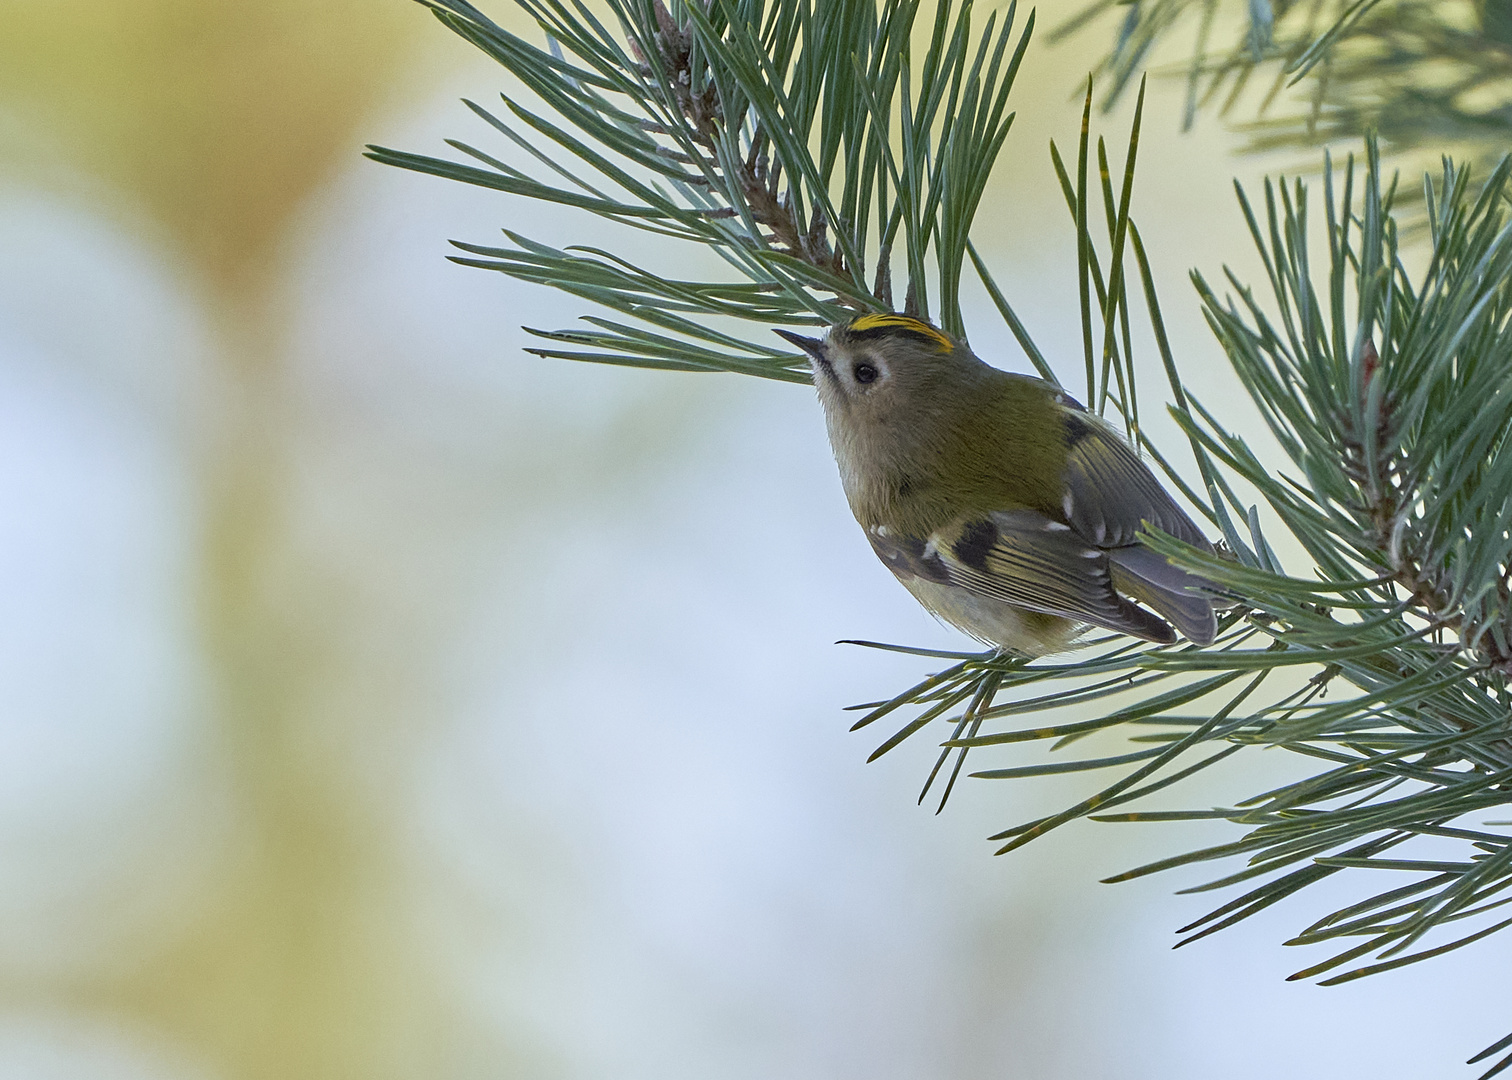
{"type": "Point", "coordinates": [382, 702]}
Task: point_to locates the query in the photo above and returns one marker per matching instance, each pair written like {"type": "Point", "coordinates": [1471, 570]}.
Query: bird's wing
{"type": "Point", "coordinates": [1024, 558]}
{"type": "Point", "coordinates": [1109, 495]}
{"type": "Point", "coordinates": [1110, 492]}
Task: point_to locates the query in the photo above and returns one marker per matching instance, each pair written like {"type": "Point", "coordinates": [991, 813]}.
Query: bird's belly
{"type": "Point", "coordinates": [1030, 633]}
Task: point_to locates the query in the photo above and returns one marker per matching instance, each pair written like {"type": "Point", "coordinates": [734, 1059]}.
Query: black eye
{"type": "Point", "coordinates": [864, 373]}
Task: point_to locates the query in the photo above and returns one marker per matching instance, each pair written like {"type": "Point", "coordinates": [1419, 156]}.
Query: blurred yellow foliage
{"type": "Point", "coordinates": [212, 122]}
{"type": "Point", "coordinates": [218, 117]}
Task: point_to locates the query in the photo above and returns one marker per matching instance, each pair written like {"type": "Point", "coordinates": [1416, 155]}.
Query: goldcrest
{"type": "Point", "coordinates": [1004, 506]}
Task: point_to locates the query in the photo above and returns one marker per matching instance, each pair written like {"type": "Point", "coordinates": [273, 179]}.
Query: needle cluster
{"type": "Point", "coordinates": [1419, 74]}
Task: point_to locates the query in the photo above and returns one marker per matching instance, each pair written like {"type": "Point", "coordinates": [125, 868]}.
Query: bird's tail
{"type": "Point", "coordinates": [1181, 597]}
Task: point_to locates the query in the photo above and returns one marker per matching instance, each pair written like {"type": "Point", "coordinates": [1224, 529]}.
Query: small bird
{"type": "Point", "coordinates": [1005, 507]}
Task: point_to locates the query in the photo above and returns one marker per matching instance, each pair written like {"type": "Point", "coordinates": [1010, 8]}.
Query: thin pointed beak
{"type": "Point", "coordinates": [813, 346]}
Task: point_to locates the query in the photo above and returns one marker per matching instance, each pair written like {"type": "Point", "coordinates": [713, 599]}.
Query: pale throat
{"type": "Point", "coordinates": [879, 471]}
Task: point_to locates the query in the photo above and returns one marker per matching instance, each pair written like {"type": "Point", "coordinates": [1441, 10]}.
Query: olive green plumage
{"type": "Point", "coordinates": [1006, 508]}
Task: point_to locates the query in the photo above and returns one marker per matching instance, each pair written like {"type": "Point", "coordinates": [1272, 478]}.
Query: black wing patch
{"type": "Point", "coordinates": [1031, 561]}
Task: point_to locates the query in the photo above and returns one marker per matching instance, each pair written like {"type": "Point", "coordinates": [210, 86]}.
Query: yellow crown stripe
{"type": "Point", "coordinates": [881, 321]}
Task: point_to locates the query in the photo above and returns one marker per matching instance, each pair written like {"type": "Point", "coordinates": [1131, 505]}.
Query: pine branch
{"type": "Point", "coordinates": [1390, 394]}
{"type": "Point", "coordinates": [1419, 74]}
{"type": "Point", "coordinates": [767, 134]}
{"type": "Point", "coordinates": [804, 141]}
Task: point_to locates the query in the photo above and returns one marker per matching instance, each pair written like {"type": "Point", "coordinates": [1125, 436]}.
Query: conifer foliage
{"type": "Point", "coordinates": [818, 147]}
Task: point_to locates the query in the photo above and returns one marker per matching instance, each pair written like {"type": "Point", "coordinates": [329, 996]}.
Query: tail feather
{"type": "Point", "coordinates": [1149, 578]}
